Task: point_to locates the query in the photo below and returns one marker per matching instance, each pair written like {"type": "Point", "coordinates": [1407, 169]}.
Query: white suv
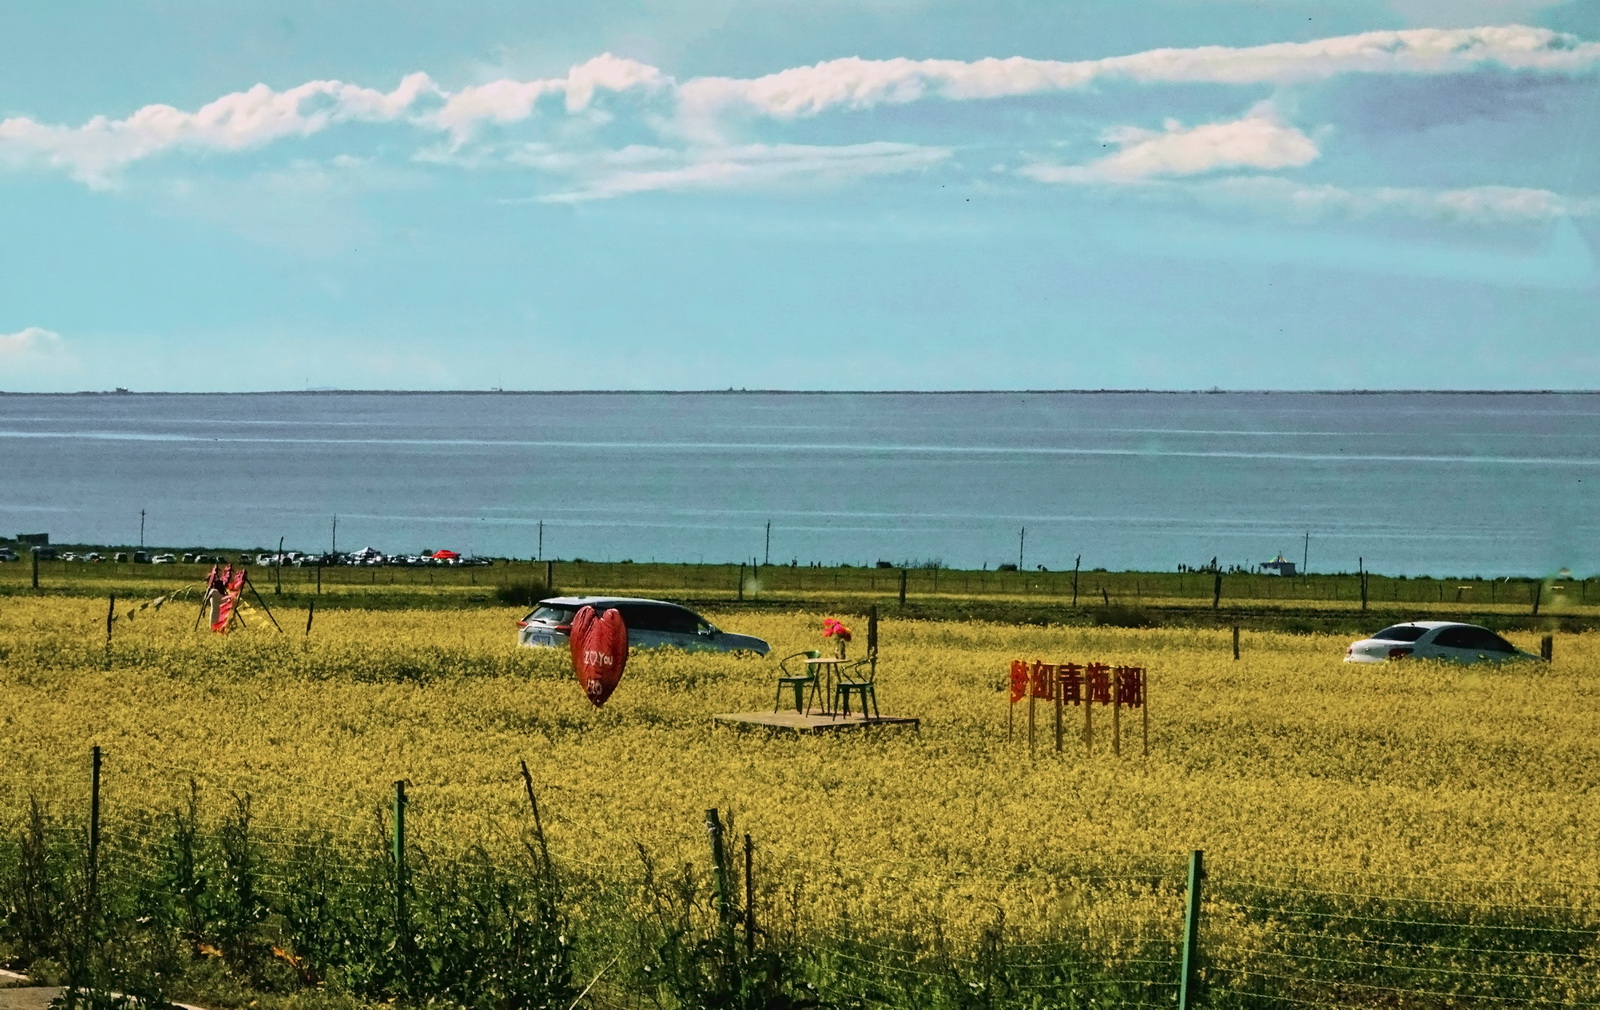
{"type": "Point", "coordinates": [650, 623]}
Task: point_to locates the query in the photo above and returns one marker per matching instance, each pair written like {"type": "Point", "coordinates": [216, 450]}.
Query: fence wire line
{"type": "Point", "coordinates": [1294, 870]}
{"type": "Point", "coordinates": [1270, 997]}
{"type": "Point", "coordinates": [1439, 948]}
{"type": "Point", "coordinates": [1415, 922]}
{"type": "Point", "coordinates": [1341, 983]}
{"type": "Point", "coordinates": [1389, 965]}
{"type": "Point", "coordinates": [1264, 885]}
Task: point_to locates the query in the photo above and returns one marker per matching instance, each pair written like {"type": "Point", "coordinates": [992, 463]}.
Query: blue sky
{"type": "Point", "coordinates": [907, 194]}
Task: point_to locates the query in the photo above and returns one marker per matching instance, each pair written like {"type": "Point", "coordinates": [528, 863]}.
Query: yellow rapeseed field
{"type": "Point", "coordinates": [1285, 756]}
{"type": "Point", "coordinates": [1346, 806]}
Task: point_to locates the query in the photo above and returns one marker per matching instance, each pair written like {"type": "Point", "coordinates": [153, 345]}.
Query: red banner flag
{"type": "Point", "coordinates": [234, 582]}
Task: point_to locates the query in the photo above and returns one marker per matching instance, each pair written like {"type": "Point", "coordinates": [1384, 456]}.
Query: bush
{"type": "Point", "coordinates": [524, 594]}
{"type": "Point", "coordinates": [1124, 617]}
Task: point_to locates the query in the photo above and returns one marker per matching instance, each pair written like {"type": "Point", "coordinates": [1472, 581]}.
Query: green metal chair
{"type": "Point", "coordinates": [797, 682]}
{"type": "Point", "coordinates": [852, 683]}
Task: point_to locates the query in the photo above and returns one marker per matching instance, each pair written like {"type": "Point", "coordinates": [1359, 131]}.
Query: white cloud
{"type": "Point", "coordinates": [243, 119]}
{"type": "Point", "coordinates": [1260, 140]}
{"type": "Point", "coordinates": [32, 349]}
{"type": "Point", "coordinates": [631, 171]}
{"type": "Point", "coordinates": [856, 83]}
{"type": "Point", "coordinates": [95, 151]}
{"type": "Point", "coordinates": [506, 100]}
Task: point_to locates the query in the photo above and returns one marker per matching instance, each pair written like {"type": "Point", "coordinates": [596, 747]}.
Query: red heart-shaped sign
{"type": "Point", "coordinates": [599, 652]}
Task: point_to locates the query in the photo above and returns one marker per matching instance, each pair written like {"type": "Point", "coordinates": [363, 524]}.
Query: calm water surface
{"type": "Point", "coordinates": [1456, 484]}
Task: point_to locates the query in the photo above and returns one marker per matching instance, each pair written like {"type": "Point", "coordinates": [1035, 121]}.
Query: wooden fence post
{"type": "Point", "coordinates": [1059, 710]}
{"type": "Point", "coordinates": [719, 882]}
{"type": "Point", "coordinates": [402, 911]}
{"type": "Point", "coordinates": [94, 834]}
{"type": "Point", "coordinates": [1144, 712]}
{"type": "Point", "coordinates": [749, 895]}
{"type": "Point", "coordinates": [1032, 719]}
{"type": "Point", "coordinates": [1235, 641]}
{"type": "Point", "coordinates": [902, 587]}
{"type": "Point", "coordinates": [1116, 722]}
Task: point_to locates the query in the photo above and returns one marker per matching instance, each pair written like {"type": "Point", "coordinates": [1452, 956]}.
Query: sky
{"type": "Point", "coordinates": [800, 194]}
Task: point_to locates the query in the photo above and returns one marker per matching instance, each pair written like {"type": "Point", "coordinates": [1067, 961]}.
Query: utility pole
{"type": "Point", "coordinates": [541, 541]}
{"type": "Point", "coordinates": [767, 558]}
{"type": "Point", "coordinates": [335, 548]}
{"type": "Point", "coordinates": [1305, 558]}
{"type": "Point", "coordinates": [141, 529]}
{"type": "Point", "coordinates": [1022, 538]}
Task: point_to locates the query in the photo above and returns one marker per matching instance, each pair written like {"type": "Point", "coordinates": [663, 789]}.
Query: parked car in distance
{"type": "Point", "coordinates": [163, 559]}
{"type": "Point", "coordinates": [1447, 640]}
{"type": "Point", "coordinates": [7, 554]}
{"type": "Point", "coordinates": [651, 624]}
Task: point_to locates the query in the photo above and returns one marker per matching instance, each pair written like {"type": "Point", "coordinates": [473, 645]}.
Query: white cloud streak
{"type": "Point", "coordinates": [861, 84]}
{"type": "Point", "coordinates": [1259, 140]}
{"type": "Point", "coordinates": [1310, 201]}
{"type": "Point", "coordinates": [754, 165]}
{"type": "Point", "coordinates": [1488, 205]}
{"type": "Point", "coordinates": [245, 119]}
{"type": "Point", "coordinates": [95, 151]}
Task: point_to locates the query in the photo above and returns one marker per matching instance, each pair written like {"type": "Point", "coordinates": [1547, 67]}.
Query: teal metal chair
{"type": "Point", "coordinates": [797, 682]}
{"type": "Point", "coordinates": [852, 683]}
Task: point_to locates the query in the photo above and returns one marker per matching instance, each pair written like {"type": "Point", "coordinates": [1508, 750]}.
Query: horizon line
{"type": "Point", "coordinates": [1215, 390]}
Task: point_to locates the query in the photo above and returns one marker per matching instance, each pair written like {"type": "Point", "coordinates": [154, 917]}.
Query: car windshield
{"type": "Point", "coordinates": [1401, 633]}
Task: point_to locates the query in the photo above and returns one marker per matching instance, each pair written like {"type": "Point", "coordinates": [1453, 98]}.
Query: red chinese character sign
{"type": "Point", "coordinates": [599, 652]}
{"type": "Point", "coordinates": [1085, 686]}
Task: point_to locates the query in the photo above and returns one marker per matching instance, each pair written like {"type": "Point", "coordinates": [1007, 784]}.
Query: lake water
{"type": "Point", "coordinates": [1456, 484]}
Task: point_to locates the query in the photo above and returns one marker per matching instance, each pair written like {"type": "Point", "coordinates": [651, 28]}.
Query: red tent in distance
{"type": "Point", "coordinates": [446, 555]}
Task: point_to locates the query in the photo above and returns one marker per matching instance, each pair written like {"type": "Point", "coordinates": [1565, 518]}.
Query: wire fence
{"type": "Point", "coordinates": [152, 866]}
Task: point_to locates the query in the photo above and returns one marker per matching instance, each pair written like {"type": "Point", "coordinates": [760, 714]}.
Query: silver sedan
{"type": "Point", "coordinates": [1448, 640]}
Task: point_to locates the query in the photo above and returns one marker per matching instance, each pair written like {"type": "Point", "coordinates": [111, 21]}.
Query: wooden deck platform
{"type": "Point", "coordinates": [811, 721]}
